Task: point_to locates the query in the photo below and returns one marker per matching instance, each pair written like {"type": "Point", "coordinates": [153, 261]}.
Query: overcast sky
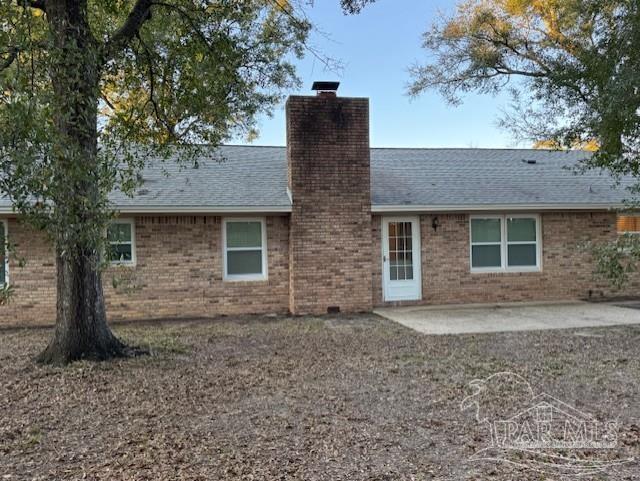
{"type": "Point", "coordinates": [376, 48]}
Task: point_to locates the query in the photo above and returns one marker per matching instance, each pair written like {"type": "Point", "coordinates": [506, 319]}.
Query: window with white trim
{"type": "Point", "coordinates": [121, 242]}
{"type": "Point", "coordinates": [245, 249]}
{"type": "Point", "coordinates": [486, 243]}
{"type": "Point", "coordinates": [4, 260]}
{"type": "Point", "coordinates": [505, 243]}
{"type": "Point", "coordinates": [522, 242]}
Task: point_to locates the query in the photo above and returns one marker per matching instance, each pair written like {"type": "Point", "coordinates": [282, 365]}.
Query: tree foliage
{"type": "Point", "coordinates": [617, 261]}
{"type": "Point", "coordinates": [354, 6]}
{"type": "Point", "coordinates": [572, 69]}
{"type": "Point", "coordinates": [90, 90]}
{"type": "Point", "coordinates": [575, 62]}
{"type": "Point", "coordinates": [174, 72]}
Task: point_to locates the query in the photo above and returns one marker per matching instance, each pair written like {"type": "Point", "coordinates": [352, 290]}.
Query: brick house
{"type": "Point", "coordinates": [327, 223]}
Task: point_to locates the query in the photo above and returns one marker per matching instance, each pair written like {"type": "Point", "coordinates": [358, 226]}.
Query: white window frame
{"type": "Point", "coordinates": [472, 244]}
{"type": "Point", "coordinates": [245, 277]}
{"type": "Point", "coordinates": [5, 223]}
{"type": "Point", "coordinates": [504, 244]}
{"type": "Point", "coordinates": [133, 261]}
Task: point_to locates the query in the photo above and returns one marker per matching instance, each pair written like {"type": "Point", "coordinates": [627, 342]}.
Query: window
{"type": "Point", "coordinates": [628, 224]}
{"type": "Point", "coordinates": [522, 250]}
{"type": "Point", "coordinates": [400, 251]}
{"type": "Point", "coordinates": [245, 253]}
{"type": "Point", "coordinates": [486, 243]}
{"type": "Point", "coordinates": [121, 242]}
{"type": "Point", "coordinates": [505, 243]}
{"type": "Point", "coordinates": [4, 260]}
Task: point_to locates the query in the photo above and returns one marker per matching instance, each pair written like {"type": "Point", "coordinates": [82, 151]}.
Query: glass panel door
{"type": "Point", "coordinates": [400, 251]}
{"type": "Point", "coordinates": [401, 259]}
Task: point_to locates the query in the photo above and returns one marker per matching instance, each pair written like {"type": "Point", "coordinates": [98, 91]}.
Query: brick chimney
{"type": "Point", "coordinates": [329, 179]}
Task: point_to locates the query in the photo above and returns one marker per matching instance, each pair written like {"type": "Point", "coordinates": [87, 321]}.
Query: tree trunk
{"type": "Point", "coordinates": [81, 327]}
{"type": "Point", "coordinates": [81, 323]}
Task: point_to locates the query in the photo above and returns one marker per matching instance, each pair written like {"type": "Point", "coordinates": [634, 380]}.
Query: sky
{"type": "Point", "coordinates": [376, 48]}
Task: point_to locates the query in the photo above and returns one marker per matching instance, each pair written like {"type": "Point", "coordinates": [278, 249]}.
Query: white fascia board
{"type": "Point", "coordinates": [259, 209]}
{"type": "Point", "coordinates": [374, 208]}
{"type": "Point", "coordinates": [493, 207]}
{"type": "Point", "coordinates": [262, 209]}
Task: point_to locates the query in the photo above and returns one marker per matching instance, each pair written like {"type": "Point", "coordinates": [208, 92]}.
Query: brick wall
{"type": "Point", "coordinates": [179, 269]}
{"type": "Point", "coordinates": [34, 284]}
{"type": "Point", "coordinates": [178, 274]}
{"type": "Point", "coordinates": [567, 271]}
{"type": "Point", "coordinates": [329, 179]}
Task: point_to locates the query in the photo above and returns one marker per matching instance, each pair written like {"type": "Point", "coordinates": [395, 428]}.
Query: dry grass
{"type": "Point", "coordinates": [337, 398]}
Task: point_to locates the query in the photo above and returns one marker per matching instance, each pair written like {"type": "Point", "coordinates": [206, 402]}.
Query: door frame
{"type": "Point", "coordinates": [416, 235]}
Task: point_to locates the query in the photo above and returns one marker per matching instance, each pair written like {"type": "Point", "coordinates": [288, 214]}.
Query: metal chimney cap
{"type": "Point", "coordinates": [325, 86]}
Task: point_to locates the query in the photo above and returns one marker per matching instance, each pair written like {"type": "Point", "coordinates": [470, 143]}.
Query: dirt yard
{"type": "Point", "coordinates": [335, 398]}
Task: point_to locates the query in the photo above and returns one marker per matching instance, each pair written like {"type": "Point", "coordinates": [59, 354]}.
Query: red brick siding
{"type": "Point", "coordinates": [32, 274]}
{"type": "Point", "coordinates": [329, 166]}
{"type": "Point", "coordinates": [567, 270]}
{"type": "Point", "coordinates": [179, 269]}
{"type": "Point", "coordinates": [178, 274]}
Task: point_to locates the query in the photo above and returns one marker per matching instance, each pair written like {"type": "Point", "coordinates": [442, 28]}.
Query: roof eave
{"type": "Point", "coordinates": [495, 207]}
{"type": "Point", "coordinates": [285, 209]}
{"type": "Point", "coordinates": [259, 209]}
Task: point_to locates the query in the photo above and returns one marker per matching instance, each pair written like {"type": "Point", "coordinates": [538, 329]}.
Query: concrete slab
{"type": "Point", "coordinates": [510, 317]}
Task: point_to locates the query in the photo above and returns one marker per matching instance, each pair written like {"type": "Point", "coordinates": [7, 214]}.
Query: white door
{"type": "Point", "coordinates": [401, 266]}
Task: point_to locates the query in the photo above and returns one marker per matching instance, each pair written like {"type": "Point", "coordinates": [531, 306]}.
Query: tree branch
{"type": "Point", "coordinates": [544, 72]}
{"type": "Point", "coordinates": [152, 87]}
{"type": "Point", "coordinates": [140, 13]}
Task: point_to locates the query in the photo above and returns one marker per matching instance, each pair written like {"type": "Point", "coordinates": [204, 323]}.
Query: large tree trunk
{"type": "Point", "coordinates": [81, 328]}
{"type": "Point", "coordinates": [81, 324]}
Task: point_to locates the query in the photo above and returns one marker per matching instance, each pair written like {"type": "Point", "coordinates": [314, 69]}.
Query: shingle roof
{"type": "Point", "coordinates": [236, 176]}
{"type": "Point", "coordinates": [253, 178]}
{"type": "Point", "coordinates": [233, 178]}
{"type": "Point", "coordinates": [486, 177]}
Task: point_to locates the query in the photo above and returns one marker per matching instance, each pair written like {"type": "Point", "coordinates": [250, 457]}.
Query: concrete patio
{"type": "Point", "coordinates": [512, 317]}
